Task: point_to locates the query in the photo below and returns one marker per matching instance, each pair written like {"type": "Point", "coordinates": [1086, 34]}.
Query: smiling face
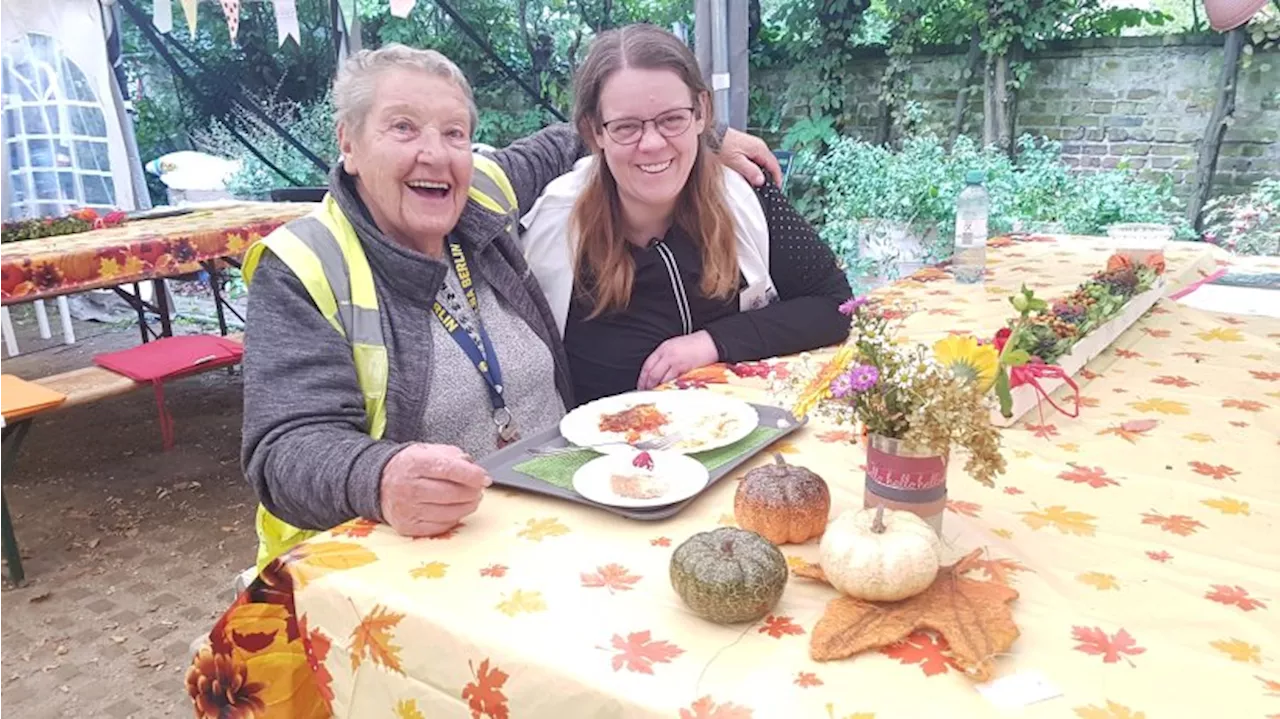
{"type": "Point", "coordinates": [411, 157]}
{"type": "Point", "coordinates": [652, 170]}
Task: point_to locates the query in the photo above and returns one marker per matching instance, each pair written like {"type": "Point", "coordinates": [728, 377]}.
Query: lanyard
{"type": "Point", "coordinates": [483, 358]}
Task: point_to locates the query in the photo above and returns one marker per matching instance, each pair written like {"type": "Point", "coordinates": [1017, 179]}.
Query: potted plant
{"type": "Point", "coordinates": [914, 404]}
{"type": "Point", "coordinates": [888, 213]}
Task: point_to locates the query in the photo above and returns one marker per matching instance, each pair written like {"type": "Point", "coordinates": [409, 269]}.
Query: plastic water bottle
{"type": "Point", "coordinates": [970, 261]}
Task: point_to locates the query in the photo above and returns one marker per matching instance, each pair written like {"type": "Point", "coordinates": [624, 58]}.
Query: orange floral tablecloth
{"type": "Point", "coordinates": [138, 250]}
{"type": "Point", "coordinates": [1141, 536]}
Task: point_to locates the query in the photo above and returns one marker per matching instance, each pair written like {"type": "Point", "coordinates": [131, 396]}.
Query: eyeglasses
{"type": "Point", "coordinates": [629, 130]}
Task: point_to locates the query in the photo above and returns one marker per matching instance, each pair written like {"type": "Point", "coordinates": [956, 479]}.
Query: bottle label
{"type": "Point", "coordinates": [971, 232]}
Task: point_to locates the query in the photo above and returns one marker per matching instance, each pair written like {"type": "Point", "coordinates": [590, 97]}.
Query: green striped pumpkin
{"type": "Point", "coordinates": [728, 575]}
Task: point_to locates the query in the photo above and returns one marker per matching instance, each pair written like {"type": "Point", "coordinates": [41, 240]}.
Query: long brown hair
{"type": "Point", "coordinates": [701, 210]}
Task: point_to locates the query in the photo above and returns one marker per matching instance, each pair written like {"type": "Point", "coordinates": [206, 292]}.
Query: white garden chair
{"type": "Point", "coordinates": [42, 321]}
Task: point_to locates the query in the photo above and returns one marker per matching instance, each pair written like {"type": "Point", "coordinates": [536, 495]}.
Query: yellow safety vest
{"type": "Point", "coordinates": [323, 251]}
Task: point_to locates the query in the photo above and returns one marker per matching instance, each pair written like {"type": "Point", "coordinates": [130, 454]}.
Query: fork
{"type": "Point", "coordinates": [647, 445]}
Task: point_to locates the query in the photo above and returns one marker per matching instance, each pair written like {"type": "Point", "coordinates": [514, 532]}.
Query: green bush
{"type": "Point", "coordinates": [1247, 223]}
{"type": "Point", "coordinates": [312, 124]}
{"type": "Point", "coordinates": [919, 183]}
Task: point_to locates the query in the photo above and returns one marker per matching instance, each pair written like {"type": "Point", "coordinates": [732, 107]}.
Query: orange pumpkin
{"type": "Point", "coordinates": [1118, 262]}
{"type": "Point", "coordinates": [783, 503]}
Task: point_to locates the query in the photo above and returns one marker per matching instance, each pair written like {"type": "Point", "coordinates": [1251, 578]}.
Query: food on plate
{"type": "Point", "coordinates": [708, 429]}
{"type": "Point", "coordinates": [638, 486]}
{"type": "Point", "coordinates": [880, 555]}
{"type": "Point", "coordinates": [635, 422]}
{"type": "Point", "coordinates": [782, 502]}
{"type": "Point", "coordinates": [728, 575]}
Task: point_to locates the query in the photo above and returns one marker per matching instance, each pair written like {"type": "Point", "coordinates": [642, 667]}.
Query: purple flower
{"type": "Point", "coordinates": [864, 377]}
{"type": "Point", "coordinates": [841, 386]}
{"type": "Point", "coordinates": [851, 305]}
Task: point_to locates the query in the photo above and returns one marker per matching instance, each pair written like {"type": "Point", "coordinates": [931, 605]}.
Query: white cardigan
{"type": "Point", "coordinates": [550, 251]}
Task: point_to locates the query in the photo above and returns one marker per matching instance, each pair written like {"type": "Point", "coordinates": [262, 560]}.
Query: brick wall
{"type": "Point", "coordinates": [1136, 102]}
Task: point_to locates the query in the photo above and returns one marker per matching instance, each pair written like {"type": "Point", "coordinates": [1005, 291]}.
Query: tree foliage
{"type": "Point", "coordinates": [543, 41]}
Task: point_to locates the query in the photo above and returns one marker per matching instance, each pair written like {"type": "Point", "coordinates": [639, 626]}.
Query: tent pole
{"type": "Point", "coordinates": [338, 32]}
{"type": "Point", "coordinates": [720, 43]}
{"type": "Point", "coordinates": [124, 111]}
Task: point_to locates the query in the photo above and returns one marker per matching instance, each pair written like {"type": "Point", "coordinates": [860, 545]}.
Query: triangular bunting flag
{"type": "Point", "coordinates": [402, 8]}
{"type": "Point", "coordinates": [189, 9]}
{"type": "Point", "coordinates": [231, 8]}
{"type": "Point", "coordinates": [162, 16]}
{"type": "Point", "coordinates": [287, 21]}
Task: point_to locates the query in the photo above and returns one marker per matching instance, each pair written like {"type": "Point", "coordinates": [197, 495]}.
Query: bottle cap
{"type": "Point", "coordinates": [975, 177]}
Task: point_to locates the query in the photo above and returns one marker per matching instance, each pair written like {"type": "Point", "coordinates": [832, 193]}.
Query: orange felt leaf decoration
{"type": "Point", "coordinates": [973, 616]}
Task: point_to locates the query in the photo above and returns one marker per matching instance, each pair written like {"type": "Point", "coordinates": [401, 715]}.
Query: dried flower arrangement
{"type": "Point", "coordinates": [931, 399]}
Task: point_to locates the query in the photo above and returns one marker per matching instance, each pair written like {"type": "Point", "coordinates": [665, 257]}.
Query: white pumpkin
{"type": "Point", "coordinates": [880, 555]}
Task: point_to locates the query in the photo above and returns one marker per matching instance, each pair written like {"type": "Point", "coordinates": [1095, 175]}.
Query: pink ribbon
{"type": "Point", "coordinates": [1032, 374]}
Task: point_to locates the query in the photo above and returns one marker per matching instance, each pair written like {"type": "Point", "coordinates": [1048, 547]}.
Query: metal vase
{"type": "Point", "coordinates": [906, 478]}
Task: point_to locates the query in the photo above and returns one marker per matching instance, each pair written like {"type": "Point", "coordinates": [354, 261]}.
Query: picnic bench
{"type": "Point", "coordinates": [22, 401]}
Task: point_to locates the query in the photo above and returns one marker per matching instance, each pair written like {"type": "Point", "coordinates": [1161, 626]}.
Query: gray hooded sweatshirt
{"type": "Point", "coordinates": [305, 448]}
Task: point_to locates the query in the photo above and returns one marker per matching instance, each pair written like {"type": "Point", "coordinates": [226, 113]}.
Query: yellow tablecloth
{"type": "Point", "coordinates": [1142, 538]}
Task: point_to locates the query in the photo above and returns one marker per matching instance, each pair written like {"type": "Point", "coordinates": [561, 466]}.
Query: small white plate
{"type": "Point", "coordinates": [614, 480]}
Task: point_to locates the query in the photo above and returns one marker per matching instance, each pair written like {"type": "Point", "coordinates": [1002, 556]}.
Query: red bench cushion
{"type": "Point", "coordinates": [167, 358]}
{"type": "Point", "coordinates": [170, 357]}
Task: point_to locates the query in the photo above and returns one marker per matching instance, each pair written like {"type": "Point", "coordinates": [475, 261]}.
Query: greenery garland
{"type": "Point", "coordinates": [81, 220]}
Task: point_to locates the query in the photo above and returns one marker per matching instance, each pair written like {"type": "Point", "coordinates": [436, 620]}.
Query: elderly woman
{"type": "Point", "coordinates": [655, 259]}
{"type": "Point", "coordinates": [395, 335]}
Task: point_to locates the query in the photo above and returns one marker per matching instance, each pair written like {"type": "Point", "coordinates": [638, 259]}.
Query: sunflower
{"type": "Point", "coordinates": [819, 388]}
{"type": "Point", "coordinates": [968, 360]}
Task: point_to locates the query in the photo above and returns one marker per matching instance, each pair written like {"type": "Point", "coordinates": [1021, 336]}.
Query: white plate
{"type": "Point", "coordinates": [674, 478]}
{"type": "Point", "coordinates": [705, 420]}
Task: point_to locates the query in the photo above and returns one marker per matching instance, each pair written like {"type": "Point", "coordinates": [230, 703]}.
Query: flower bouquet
{"type": "Point", "coordinates": [1054, 341]}
{"type": "Point", "coordinates": [913, 404]}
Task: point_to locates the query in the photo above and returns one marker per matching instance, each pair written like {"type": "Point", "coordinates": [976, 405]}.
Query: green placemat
{"type": "Point", "coordinates": [559, 469]}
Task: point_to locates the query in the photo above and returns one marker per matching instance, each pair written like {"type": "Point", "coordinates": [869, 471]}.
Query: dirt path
{"type": "Point", "coordinates": [130, 551]}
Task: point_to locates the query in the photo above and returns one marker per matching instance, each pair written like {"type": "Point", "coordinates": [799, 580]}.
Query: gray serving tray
{"type": "Point", "coordinates": [501, 466]}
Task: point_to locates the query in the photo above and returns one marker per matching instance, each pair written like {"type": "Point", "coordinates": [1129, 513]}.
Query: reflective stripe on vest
{"type": "Point", "coordinates": [324, 253]}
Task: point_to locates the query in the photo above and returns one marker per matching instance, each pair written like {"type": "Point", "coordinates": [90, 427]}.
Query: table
{"type": "Point", "coordinates": [1141, 537]}
{"type": "Point", "coordinates": [145, 249]}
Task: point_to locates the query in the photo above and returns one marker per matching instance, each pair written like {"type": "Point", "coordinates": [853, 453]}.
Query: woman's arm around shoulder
{"type": "Point", "coordinates": [304, 448]}
{"type": "Point", "coordinates": [532, 162]}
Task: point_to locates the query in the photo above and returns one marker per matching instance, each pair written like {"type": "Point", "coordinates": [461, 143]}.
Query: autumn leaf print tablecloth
{"type": "Point", "coordinates": [138, 250]}
{"type": "Point", "coordinates": [1141, 536]}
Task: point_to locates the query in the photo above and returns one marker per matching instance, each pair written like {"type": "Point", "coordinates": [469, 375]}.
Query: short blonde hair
{"type": "Point", "coordinates": [357, 79]}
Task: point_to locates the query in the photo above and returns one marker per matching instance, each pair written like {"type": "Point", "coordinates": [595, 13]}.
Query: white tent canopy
{"type": "Point", "coordinates": [64, 142]}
